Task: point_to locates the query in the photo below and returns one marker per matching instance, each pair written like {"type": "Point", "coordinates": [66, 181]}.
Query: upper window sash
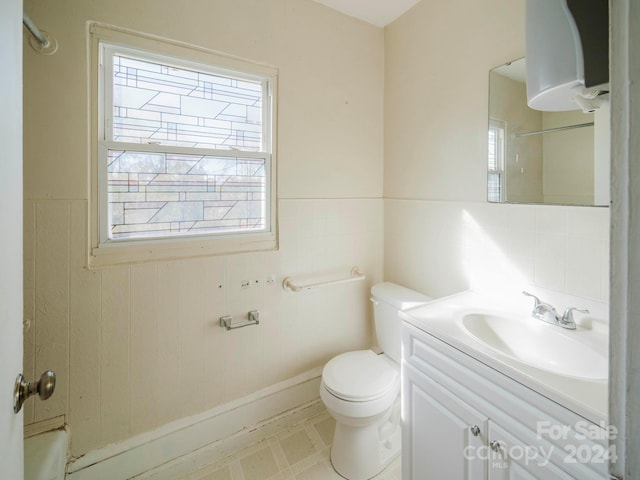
{"type": "Point", "coordinates": [107, 88]}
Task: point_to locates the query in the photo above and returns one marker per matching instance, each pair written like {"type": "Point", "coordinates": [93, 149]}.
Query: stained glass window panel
{"type": "Point", "coordinates": [157, 103]}
{"type": "Point", "coordinates": [162, 194]}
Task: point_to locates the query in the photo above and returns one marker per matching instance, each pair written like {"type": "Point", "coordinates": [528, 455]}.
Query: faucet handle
{"type": "Point", "coordinates": [567, 316]}
{"type": "Point", "coordinates": [536, 299]}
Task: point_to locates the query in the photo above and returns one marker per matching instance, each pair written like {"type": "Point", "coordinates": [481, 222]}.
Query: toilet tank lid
{"type": "Point", "coordinates": [400, 297]}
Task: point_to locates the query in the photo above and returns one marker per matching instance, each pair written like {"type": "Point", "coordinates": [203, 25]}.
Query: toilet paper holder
{"type": "Point", "coordinates": [226, 321]}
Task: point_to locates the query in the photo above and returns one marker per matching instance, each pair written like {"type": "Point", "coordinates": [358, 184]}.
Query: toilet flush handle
{"type": "Point", "coordinates": [373, 300]}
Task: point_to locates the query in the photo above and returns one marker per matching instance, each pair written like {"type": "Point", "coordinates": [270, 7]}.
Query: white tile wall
{"type": "Point", "coordinates": [444, 247]}
{"type": "Point", "coordinates": [137, 346]}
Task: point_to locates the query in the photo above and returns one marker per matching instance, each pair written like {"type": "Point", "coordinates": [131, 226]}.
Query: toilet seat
{"type": "Point", "coordinates": [359, 376]}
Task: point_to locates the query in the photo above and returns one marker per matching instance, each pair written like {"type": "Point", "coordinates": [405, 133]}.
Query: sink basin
{"type": "Point", "coordinates": [543, 346]}
{"type": "Point", "coordinates": [568, 366]}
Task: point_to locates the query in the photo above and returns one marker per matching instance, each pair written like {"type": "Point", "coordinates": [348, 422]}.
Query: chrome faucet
{"type": "Point", "coordinates": [547, 313]}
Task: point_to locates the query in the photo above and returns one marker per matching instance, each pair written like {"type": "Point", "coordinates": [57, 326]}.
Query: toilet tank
{"type": "Point", "coordinates": [389, 299]}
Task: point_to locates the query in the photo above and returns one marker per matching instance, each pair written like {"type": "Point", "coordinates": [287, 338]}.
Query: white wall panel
{"type": "Point", "coordinates": [85, 311]}
{"type": "Point", "coordinates": [167, 338]}
{"type": "Point", "coordinates": [215, 344]}
{"type": "Point", "coordinates": [192, 336]}
{"type": "Point", "coordinates": [144, 387]}
{"type": "Point", "coordinates": [115, 335]}
{"type": "Point", "coordinates": [52, 302]}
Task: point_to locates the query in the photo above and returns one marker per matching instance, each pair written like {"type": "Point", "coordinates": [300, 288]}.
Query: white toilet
{"type": "Point", "coordinates": [361, 390]}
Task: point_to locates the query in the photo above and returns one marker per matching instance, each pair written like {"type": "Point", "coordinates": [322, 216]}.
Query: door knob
{"type": "Point", "coordinates": [23, 389]}
{"type": "Point", "coordinates": [475, 430]}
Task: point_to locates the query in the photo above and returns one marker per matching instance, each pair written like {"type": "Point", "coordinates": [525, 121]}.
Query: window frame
{"type": "Point", "coordinates": [105, 41]}
{"type": "Point", "coordinates": [501, 128]}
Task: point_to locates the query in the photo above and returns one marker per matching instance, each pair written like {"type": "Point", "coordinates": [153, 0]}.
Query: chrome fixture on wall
{"type": "Point", "coordinates": [254, 319]}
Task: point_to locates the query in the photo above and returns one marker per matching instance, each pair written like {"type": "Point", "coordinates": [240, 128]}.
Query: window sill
{"type": "Point", "coordinates": [122, 253]}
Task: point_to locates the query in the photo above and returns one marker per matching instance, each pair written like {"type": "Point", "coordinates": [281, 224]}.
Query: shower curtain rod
{"type": "Point", "coordinates": [35, 31]}
{"type": "Point", "coordinates": [556, 129]}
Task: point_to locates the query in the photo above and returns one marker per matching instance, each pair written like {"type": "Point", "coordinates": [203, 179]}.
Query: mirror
{"type": "Point", "coordinates": [559, 158]}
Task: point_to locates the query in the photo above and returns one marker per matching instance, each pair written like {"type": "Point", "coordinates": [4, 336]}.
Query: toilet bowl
{"type": "Point", "coordinates": [361, 390]}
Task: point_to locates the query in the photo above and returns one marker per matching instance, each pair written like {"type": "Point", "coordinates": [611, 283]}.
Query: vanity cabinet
{"type": "Point", "coordinates": [453, 427]}
{"type": "Point", "coordinates": [531, 464]}
{"type": "Point", "coordinates": [465, 420]}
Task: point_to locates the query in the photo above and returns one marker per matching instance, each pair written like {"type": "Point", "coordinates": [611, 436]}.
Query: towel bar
{"type": "Point", "coordinates": [289, 283]}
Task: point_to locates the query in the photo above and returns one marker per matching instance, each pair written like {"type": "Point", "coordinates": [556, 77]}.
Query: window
{"type": "Point", "coordinates": [495, 167]}
{"type": "Point", "coordinates": [184, 149]}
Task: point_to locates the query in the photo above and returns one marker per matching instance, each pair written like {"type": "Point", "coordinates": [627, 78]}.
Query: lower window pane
{"type": "Point", "coordinates": [155, 195]}
{"type": "Point", "coordinates": [494, 187]}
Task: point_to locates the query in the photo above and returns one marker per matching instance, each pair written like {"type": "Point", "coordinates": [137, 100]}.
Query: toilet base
{"type": "Point", "coordinates": [360, 453]}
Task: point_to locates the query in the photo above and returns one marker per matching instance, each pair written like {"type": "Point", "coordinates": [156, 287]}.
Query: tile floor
{"type": "Point", "coordinates": [297, 453]}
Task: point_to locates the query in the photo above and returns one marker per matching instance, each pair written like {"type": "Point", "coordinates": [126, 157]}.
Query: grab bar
{"type": "Point", "coordinates": [254, 319]}
{"type": "Point", "coordinates": [289, 283]}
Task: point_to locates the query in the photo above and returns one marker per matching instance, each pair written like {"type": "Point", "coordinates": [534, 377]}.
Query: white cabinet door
{"type": "Point", "coordinates": [513, 459]}
{"type": "Point", "coordinates": [438, 432]}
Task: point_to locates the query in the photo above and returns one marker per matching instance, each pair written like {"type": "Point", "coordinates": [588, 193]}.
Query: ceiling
{"type": "Point", "coordinates": [376, 12]}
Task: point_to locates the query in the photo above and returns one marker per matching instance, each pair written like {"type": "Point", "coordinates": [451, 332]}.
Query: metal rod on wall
{"type": "Point", "coordinates": [557, 129]}
{"type": "Point", "coordinates": [40, 40]}
{"type": "Point", "coordinates": [35, 31]}
{"type": "Point", "coordinates": [290, 284]}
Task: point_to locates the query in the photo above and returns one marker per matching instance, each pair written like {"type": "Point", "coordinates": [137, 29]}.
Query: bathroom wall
{"type": "Point", "coordinates": [440, 234]}
{"type": "Point", "coordinates": [137, 346]}
{"type": "Point", "coordinates": [564, 155]}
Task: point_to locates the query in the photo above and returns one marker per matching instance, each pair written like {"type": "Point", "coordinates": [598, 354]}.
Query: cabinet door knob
{"type": "Point", "coordinates": [495, 445]}
{"type": "Point", "coordinates": [475, 430]}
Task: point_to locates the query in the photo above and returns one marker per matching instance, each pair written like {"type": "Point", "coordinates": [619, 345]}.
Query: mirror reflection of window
{"type": "Point", "coordinates": [555, 158]}
{"type": "Point", "coordinates": [495, 165]}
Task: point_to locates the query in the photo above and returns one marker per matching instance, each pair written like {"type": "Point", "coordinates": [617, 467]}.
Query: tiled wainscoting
{"type": "Point", "coordinates": [441, 248]}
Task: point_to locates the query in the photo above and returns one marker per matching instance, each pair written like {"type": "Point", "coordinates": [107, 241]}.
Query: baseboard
{"type": "Point", "coordinates": [203, 438]}
{"type": "Point", "coordinates": [48, 425]}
